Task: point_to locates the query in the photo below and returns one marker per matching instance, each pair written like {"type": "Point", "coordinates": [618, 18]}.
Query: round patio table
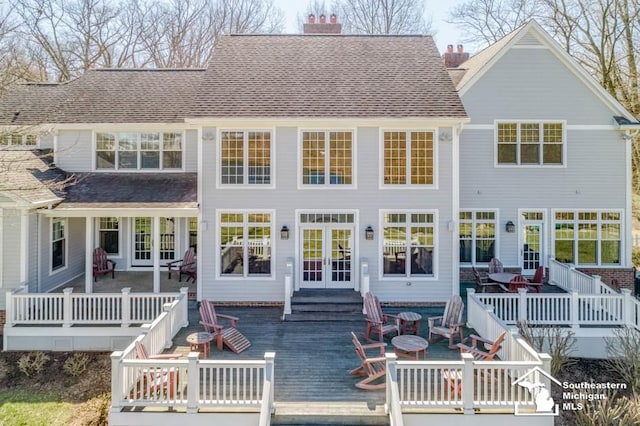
{"type": "Point", "coordinates": [200, 342]}
{"type": "Point", "coordinates": [501, 277]}
{"type": "Point", "coordinates": [410, 346]}
{"type": "Point", "coordinates": [409, 322]}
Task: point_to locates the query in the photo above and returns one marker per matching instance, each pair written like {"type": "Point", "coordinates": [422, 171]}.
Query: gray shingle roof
{"type": "Point", "coordinates": [327, 76]}
{"type": "Point", "coordinates": [30, 104]}
{"type": "Point", "coordinates": [105, 96]}
{"type": "Point", "coordinates": [30, 176]}
{"type": "Point", "coordinates": [133, 190]}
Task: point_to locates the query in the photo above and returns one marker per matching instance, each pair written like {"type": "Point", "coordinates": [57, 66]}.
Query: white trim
{"type": "Point", "coordinates": [590, 127]}
{"type": "Point", "coordinates": [245, 153]}
{"type": "Point", "coordinates": [272, 244]}
{"type": "Point", "coordinates": [2, 259]}
{"type": "Point", "coordinates": [623, 237]}
{"type": "Point", "coordinates": [627, 243]}
{"type": "Point", "coordinates": [260, 122]}
{"type": "Point", "coordinates": [496, 244]}
{"type": "Point", "coordinates": [200, 225]}
{"type": "Point", "coordinates": [455, 210]}
{"type": "Point", "coordinates": [355, 260]}
{"type": "Point", "coordinates": [436, 142]}
{"type": "Point", "coordinates": [327, 184]}
{"type": "Point", "coordinates": [122, 127]}
{"type": "Point", "coordinates": [541, 145]}
{"type": "Point", "coordinates": [436, 246]}
{"type": "Point", "coordinates": [65, 222]}
{"type": "Point", "coordinates": [121, 212]}
{"type": "Point", "coordinates": [24, 243]}
{"type": "Point", "coordinates": [139, 168]}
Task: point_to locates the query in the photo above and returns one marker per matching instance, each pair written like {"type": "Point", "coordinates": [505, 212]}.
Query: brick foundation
{"type": "Point", "coordinates": [624, 276]}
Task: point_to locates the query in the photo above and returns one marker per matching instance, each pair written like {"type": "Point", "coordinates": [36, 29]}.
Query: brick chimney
{"type": "Point", "coordinates": [323, 27]}
{"type": "Point", "coordinates": [453, 59]}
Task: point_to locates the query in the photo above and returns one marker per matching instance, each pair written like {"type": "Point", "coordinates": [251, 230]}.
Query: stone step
{"type": "Point", "coordinates": [328, 413]}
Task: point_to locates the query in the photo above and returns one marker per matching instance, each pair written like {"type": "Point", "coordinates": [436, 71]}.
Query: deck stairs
{"type": "Point", "coordinates": [326, 305]}
{"type": "Point", "coordinates": [328, 413]}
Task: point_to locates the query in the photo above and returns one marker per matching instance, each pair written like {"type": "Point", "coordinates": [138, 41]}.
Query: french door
{"type": "Point", "coordinates": [326, 256]}
{"type": "Point", "coordinates": [143, 241]}
{"type": "Point", "coordinates": [532, 234]}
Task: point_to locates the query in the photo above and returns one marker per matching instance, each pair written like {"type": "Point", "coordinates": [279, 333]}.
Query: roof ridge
{"type": "Point", "coordinates": [330, 35]}
{"type": "Point", "coordinates": [148, 69]}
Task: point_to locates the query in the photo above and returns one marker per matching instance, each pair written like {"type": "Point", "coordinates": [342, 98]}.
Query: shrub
{"type": "Point", "coordinates": [95, 412]}
{"type": "Point", "coordinates": [611, 411]}
{"type": "Point", "coordinates": [624, 355]}
{"type": "Point", "coordinates": [76, 364]}
{"type": "Point", "coordinates": [635, 256]}
{"type": "Point", "coordinates": [32, 363]}
{"type": "Point", "coordinates": [558, 342]}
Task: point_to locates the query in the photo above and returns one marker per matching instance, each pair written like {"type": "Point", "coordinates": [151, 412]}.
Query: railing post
{"type": "Point", "coordinates": [627, 308]}
{"type": "Point", "coordinates": [269, 358]}
{"type": "Point", "coordinates": [546, 366]}
{"type": "Point", "coordinates": [596, 284]}
{"type": "Point", "coordinates": [392, 376]}
{"type": "Point", "coordinates": [185, 306]}
{"type": "Point", "coordinates": [571, 278]}
{"type": "Point", "coordinates": [126, 307]}
{"type": "Point", "coordinates": [193, 382]}
{"type": "Point", "coordinates": [116, 381]}
{"type": "Point", "coordinates": [575, 309]}
{"type": "Point", "coordinates": [522, 305]}
{"type": "Point", "coordinates": [288, 287]}
{"type": "Point", "coordinates": [467, 383]}
{"type": "Point", "coordinates": [168, 335]}
{"type": "Point", "coordinates": [66, 307]}
{"type": "Point", "coordinates": [9, 311]}
{"type": "Point", "coordinates": [364, 276]}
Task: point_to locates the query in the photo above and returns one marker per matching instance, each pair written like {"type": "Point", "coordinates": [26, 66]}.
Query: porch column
{"type": "Point", "coordinates": [156, 254]}
{"type": "Point", "coordinates": [88, 255]}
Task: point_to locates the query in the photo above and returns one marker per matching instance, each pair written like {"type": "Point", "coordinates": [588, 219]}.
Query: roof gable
{"type": "Point", "coordinates": [531, 35]}
{"type": "Point", "coordinates": [341, 76]}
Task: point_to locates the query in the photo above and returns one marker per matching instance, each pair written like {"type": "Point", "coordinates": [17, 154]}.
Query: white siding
{"type": "Point", "coordinates": [191, 151]}
{"type": "Point", "coordinates": [367, 199]}
{"type": "Point", "coordinates": [75, 150]}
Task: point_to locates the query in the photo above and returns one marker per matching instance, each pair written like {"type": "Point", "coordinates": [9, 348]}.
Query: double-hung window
{"type": "Point", "coordinates": [139, 151]}
{"type": "Point", "coordinates": [408, 157]}
{"type": "Point", "coordinates": [327, 158]}
{"type": "Point", "coordinates": [530, 143]}
{"type": "Point", "coordinates": [408, 244]}
{"type": "Point", "coordinates": [18, 140]}
{"type": "Point", "coordinates": [477, 236]}
{"type": "Point", "coordinates": [245, 244]}
{"type": "Point", "coordinates": [58, 244]}
{"type": "Point", "coordinates": [109, 234]}
{"type": "Point", "coordinates": [588, 237]}
{"type": "Point", "coordinates": [245, 157]}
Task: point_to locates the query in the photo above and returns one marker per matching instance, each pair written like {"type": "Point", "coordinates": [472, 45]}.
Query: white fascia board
{"type": "Point", "coordinates": [121, 212]}
{"type": "Point", "coordinates": [324, 122]}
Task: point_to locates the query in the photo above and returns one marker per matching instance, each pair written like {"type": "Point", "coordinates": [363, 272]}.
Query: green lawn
{"type": "Point", "coordinates": [18, 407]}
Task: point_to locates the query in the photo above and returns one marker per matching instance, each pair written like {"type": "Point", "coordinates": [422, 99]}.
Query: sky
{"type": "Point", "coordinates": [437, 9]}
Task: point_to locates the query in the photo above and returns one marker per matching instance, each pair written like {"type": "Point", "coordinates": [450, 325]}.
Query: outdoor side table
{"type": "Point", "coordinates": [410, 346]}
{"type": "Point", "coordinates": [200, 342]}
{"type": "Point", "coordinates": [409, 322]}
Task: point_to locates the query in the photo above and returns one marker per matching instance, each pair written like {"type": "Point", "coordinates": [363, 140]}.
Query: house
{"type": "Point", "coordinates": [328, 151]}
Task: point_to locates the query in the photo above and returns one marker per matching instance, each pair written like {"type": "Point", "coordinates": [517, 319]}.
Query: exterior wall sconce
{"type": "Point", "coordinates": [284, 233]}
{"type": "Point", "coordinates": [510, 227]}
{"type": "Point", "coordinates": [368, 233]}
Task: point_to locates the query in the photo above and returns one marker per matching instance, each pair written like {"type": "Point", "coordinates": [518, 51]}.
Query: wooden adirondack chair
{"type": "Point", "coordinates": [518, 282]}
{"type": "Point", "coordinates": [185, 266]}
{"type": "Point", "coordinates": [377, 321]}
{"type": "Point", "coordinates": [482, 353]}
{"type": "Point", "coordinates": [228, 336]}
{"type": "Point", "coordinates": [449, 324]}
{"type": "Point", "coordinates": [536, 281]}
{"type": "Point", "coordinates": [372, 368]}
{"type": "Point", "coordinates": [155, 381]}
{"type": "Point", "coordinates": [102, 264]}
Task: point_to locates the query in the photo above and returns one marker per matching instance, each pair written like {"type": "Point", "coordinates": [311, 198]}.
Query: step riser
{"type": "Point", "coordinates": [326, 308]}
{"type": "Point", "coordinates": [325, 305]}
{"type": "Point", "coordinates": [329, 420]}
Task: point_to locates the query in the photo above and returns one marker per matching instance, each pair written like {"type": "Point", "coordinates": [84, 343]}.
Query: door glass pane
{"type": "Point", "coordinates": [142, 249]}
{"type": "Point", "coordinates": [312, 254]}
{"type": "Point", "coordinates": [231, 250]}
{"type": "Point", "coordinates": [531, 247]}
{"type": "Point", "coordinates": [340, 255]}
{"type": "Point", "coordinates": [167, 238]}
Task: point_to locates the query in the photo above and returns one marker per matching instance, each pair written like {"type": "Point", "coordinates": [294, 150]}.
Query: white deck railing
{"type": "Point", "coordinates": [67, 309]}
{"type": "Point", "coordinates": [288, 287]}
{"type": "Point", "coordinates": [569, 309]}
{"type": "Point", "coordinates": [568, 278]}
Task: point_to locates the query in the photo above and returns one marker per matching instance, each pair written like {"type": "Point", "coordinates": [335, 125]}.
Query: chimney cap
{"type": "Point", "coordinates": [460, 48]}
{"type": "Point", "coordinates": [323, 19]}
{"type": "Point", "coordinates": [312, 18]}
{"type": "Point", "coordinates": [333, 18]}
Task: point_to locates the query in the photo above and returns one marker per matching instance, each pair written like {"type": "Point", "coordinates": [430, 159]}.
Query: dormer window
{"type": "Point", "coordinates": [18, 140]}
{"type": "Point", "coordinates": [132, 151]}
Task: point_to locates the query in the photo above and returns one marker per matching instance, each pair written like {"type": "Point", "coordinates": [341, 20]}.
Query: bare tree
{"type": "Point", "coordinates": [383, 16]}
{"type": "Point", "coordinates": [483, 22]}
{"type": "Point", "coordinates": [316, 8]}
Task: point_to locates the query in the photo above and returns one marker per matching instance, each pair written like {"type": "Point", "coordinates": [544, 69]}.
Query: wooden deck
{"type": "Point", "coordinates": [312, 358]}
